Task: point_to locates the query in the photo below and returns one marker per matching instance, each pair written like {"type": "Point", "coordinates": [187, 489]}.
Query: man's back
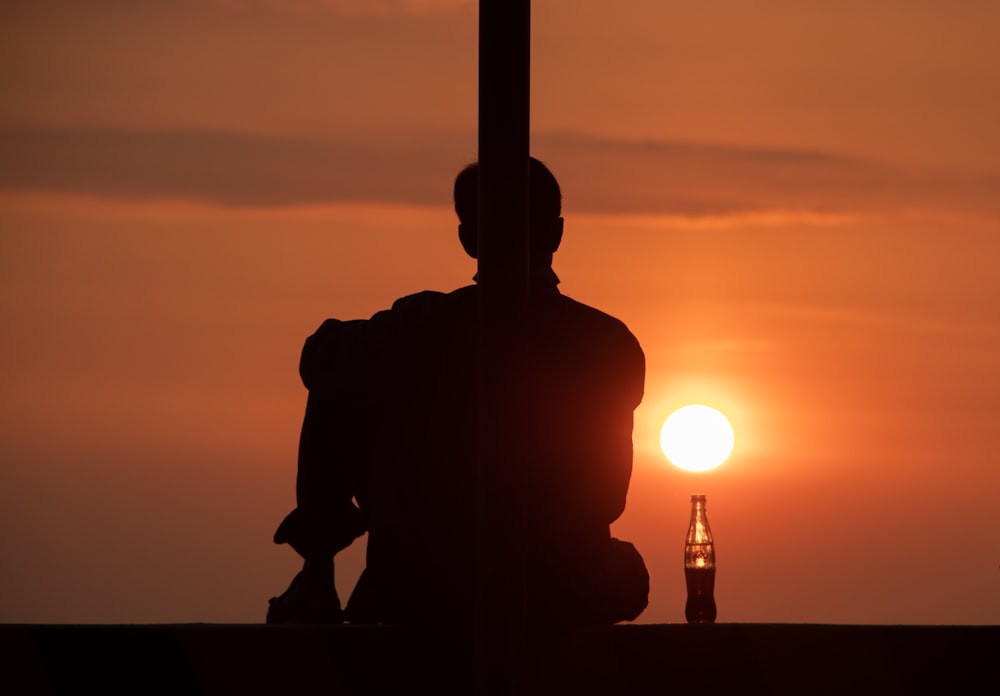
{"type": "Point", "coordinates": [579, 375]}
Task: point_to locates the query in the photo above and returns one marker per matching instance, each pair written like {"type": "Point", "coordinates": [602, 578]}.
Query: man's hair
{"type": "Point", "coordinates": [545, 198]}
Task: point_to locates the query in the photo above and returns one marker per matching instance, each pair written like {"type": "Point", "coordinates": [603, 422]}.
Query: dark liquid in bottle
{"type": "Point", "coordinates": [700, 606]}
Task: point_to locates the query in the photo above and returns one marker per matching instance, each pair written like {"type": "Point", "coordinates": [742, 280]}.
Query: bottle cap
{"type": "Point", "coordinates": [697, 498]}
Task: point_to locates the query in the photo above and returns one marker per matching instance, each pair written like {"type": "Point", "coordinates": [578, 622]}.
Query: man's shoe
{"type": "Point", "coordinates": [293, 607]}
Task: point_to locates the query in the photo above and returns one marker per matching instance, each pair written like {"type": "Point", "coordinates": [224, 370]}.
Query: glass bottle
{"type": "Point", "coordinates": [699, 566]}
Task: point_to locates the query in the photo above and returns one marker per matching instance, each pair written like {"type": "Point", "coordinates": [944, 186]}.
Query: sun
{"type": "Point", "coordinates": [697, 438]}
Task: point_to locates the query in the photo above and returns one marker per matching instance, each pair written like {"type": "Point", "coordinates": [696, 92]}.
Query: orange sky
{"type": "Point", "coordinates": [793, 208]}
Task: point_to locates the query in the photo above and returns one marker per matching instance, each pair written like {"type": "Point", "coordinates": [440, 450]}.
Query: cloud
{"type": "Point", "coordinates": [598, 175]}
{"type": "Point", "coordinates": [226, 168]}
{"type": "Point", "coordinates": [703, 179]}
{"type": "Point", "coordinates": [346, 7]}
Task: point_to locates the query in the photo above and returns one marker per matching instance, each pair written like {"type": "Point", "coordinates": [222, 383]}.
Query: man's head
{"type": "Point", "coordinates": [544, 210]}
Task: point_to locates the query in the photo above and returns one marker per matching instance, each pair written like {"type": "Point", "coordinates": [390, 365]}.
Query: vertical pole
{"type": "Point", "coordinates": [504, 91]}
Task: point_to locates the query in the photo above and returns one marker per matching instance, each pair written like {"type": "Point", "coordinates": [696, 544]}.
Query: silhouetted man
{"type": "Point", "coordinates": [388, 447]}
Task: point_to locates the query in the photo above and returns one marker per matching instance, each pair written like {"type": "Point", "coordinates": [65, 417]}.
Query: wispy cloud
{"type": "Point", "coordinates": [737, 346]}
{"type": "Point", "coordinates": [345, 7]}
{"type": "Point", "coordinates": [869, 320]}
{"type": "Point", "coordinates": [225, 168]}
{"type": "Point", "coordinates": [699, 179]}
{"type": "Point", "coordinates": [598, 175]}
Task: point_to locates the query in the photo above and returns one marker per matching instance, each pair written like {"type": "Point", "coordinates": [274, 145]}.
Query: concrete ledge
{"type": "Point", "coordinates": [627, 659]}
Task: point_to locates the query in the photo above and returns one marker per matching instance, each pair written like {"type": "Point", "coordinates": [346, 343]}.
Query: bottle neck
{"type": "Point", "coordinates": [698, 529]}
{"type": "Point", "coordinates": [699, 550]}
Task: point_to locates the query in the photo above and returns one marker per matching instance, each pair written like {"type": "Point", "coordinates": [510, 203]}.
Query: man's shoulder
{"type": "Point", "coordinates": [588, 341]}
{"type": "Point", "coordinates": [340, 348]}
{"type": "Point", "coordinates": [414, 311]}
{"type": "Point", "coordinates": [589, 319]}
{"type": "Point", "coordinates": [431, 300]}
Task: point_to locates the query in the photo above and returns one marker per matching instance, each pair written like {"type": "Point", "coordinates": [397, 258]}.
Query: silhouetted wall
{"type": "Point", "coordinates": [721, 658]}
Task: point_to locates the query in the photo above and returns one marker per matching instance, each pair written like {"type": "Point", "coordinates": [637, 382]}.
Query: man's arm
{"type": "Point", "coordinates": [576, 417]}
{"type": "Point", "coordinates": [331, 463]}
{"type": "Point", "coordinates": [611, 389]}
{"type": "Point", "coordinates": [334, 442]}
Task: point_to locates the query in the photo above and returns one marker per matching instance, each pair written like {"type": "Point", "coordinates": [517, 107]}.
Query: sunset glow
{"type": "Point", "coordinates": [792, 206]}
